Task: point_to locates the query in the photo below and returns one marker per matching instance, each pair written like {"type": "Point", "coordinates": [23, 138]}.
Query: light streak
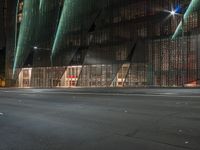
{"type": "Point", "coordinates": [192, 6]}
{"type": "Point", "coordinates": [25, 32]}
{"type": "Point", "coordinates": [62, 26]}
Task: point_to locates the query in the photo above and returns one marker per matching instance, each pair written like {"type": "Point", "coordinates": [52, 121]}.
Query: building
{"type": "Point", "coordinates": [2, 42]}
{"type": "Point", "coordinates": [107, 43]}
{"type": "Point", "coordinates": [2, 67]}
{"type": "Point", "coordinates": [2, 62]}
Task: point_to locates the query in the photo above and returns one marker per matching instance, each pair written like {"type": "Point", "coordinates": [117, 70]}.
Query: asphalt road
{"type": "Point", "coordinates": [99, 119]}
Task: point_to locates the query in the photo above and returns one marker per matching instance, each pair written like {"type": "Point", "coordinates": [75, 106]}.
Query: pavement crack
{"type": "Point", "coordinates": [133, 134]}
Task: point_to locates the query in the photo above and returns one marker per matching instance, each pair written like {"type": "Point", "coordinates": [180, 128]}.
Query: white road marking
{"type": "Point", "coordinates": [165, 93]}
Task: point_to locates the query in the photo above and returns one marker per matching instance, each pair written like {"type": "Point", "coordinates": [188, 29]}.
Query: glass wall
{"type": "Point", "coordinates": [122, 43]}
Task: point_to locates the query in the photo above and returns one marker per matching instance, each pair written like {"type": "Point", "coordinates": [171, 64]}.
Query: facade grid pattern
{"type": "Point", "coordinates": [107, 43]}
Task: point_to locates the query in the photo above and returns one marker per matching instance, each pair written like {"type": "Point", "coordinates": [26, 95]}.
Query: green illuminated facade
{"type": "Point", "coordinates": [107, 43]}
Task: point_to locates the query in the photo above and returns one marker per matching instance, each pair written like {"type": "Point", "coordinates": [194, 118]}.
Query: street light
{"type": "Point", "coordinates": [35, 47]}
{"type": "Point", "coordinates": [41, 48]}
{"type": "Point", "coordinates": [173, 12]}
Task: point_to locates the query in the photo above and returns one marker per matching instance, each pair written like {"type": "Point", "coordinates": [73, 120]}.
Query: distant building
{"type": "Point", "coordinates": [2, 62]}
{"type": "Point", "coordinates": [104, 43]}
{"type": "Point", "coordinates": [2, 40]}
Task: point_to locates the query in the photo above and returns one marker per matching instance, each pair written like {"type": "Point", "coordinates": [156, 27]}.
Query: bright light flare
{"type": "Point", "coordinates": [172, 12]}
{"type": "Point", "coordinates": [35, 47]}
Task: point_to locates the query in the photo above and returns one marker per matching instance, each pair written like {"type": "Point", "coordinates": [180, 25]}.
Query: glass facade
{"type": "Point", "coordinates": [107, 43]}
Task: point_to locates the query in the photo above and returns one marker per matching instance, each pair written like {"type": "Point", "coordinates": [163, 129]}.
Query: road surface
{"type": "Point", "coordinates": [99, 119]}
